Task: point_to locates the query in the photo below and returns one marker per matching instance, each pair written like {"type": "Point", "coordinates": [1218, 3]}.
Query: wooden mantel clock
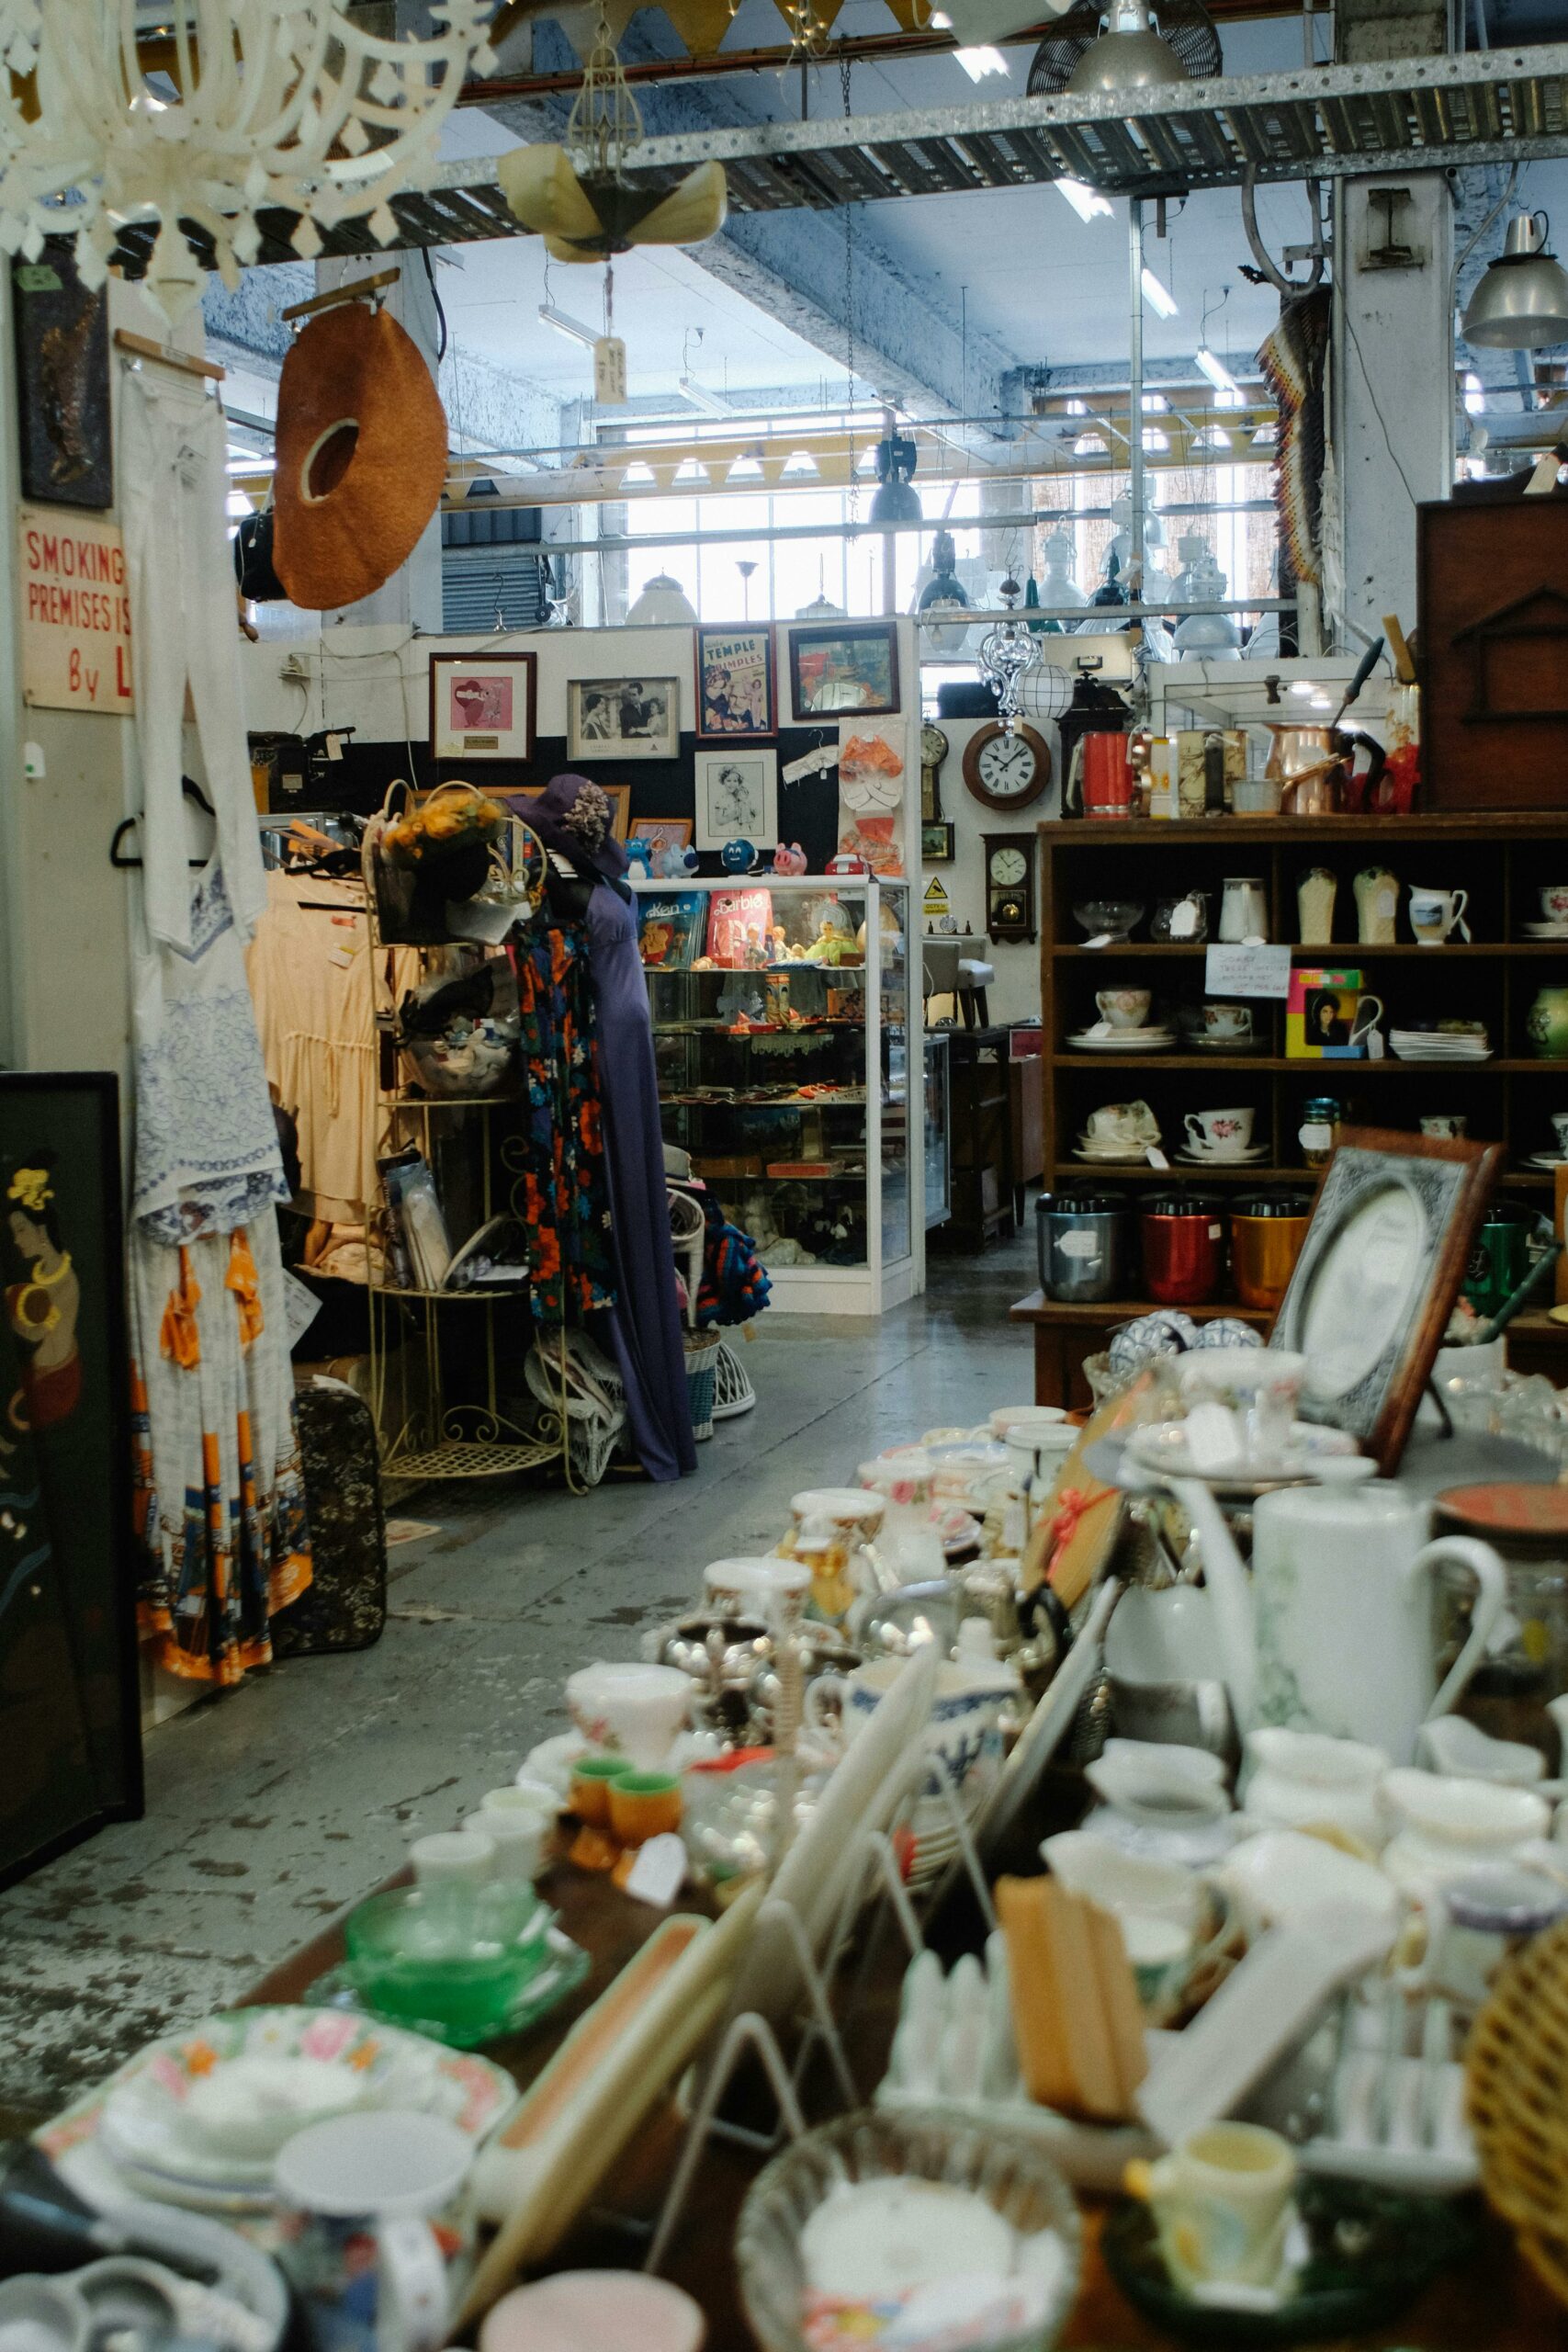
{"type": "Point", "coordinates": [1009, 886]}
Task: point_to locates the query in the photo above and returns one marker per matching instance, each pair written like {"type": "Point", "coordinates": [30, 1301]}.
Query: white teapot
{"type": "Point", "coordinates": [1337, 1632]}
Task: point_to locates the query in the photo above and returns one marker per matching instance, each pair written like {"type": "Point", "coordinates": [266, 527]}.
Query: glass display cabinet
{"type": "Point", "coordinates": [786, 1033]}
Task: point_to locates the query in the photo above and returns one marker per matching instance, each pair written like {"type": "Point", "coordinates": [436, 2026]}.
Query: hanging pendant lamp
{"type": "Point", "coordinates": [1521, 300]}
{"type": "Point", "coordinates": [1130, 54]}
{"type": "Point", "coordinates": [895, 498]}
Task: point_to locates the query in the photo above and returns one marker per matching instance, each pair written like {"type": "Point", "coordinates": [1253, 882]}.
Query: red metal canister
{"type": "Point", "coordinates": [1184, 1246]}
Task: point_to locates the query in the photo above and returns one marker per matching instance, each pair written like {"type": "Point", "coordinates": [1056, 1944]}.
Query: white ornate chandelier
{"type": "Point", "coordinates": [263, 104]}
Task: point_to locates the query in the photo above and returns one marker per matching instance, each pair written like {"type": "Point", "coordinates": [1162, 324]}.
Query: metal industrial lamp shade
{"type": "Point", "coordinates": [1521, 302]}
{"type": "Point", "coordinates": [664, 603]}
{"type": "Point", "coordinates": [1129, 55]}
{"type": "Point", "coordinates": [944, 592]}
{"type": "Point", "coordinates": [896, 501]}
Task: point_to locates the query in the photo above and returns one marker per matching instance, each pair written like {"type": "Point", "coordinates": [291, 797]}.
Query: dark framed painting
{"type": "Point", "coordinates": [936, 842]}
{"type": "Point", "coordinates": [69, 1694]}
{"type": "Point", "coordinates": [736, 689]}
{"type": "Point", "coordinates": [61, 337]}
{"type": "Point", "coordinates": [844, 670]}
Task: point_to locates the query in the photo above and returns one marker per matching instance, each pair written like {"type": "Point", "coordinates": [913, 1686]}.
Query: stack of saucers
{"type": "Point", "coordinates": [1464, 1041]}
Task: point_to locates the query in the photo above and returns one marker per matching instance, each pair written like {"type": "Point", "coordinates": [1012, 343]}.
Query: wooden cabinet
{"type": "Point", "coordinates": [1503, 860]}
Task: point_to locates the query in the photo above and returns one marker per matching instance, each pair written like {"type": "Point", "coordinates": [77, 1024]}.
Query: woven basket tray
{"type": "Point", "coordinates": [1516, 2066]}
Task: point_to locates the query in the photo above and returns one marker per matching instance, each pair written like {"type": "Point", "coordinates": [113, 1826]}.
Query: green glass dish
{"type": "Point", "coordinates": [1372, 2253]}
{"type": "Point", "coordinates": [451, 1961]}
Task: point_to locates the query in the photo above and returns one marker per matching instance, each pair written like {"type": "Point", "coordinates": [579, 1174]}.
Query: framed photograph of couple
{"type": "Point", "coordinates": [481, 705]}
{"type": "Point", "coordinates": [737, 694]}
{"type": "Point", "coordinates": [623, 719]}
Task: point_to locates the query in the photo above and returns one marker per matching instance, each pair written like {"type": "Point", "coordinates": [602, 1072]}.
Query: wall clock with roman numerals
{"type": "Point", "coordinates": [1007, 771]}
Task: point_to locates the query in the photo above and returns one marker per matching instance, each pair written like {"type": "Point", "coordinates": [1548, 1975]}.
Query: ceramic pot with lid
{"type": "Point", "coordinates": [1085, 1246]}
{"type": "Point", "coordinates": [1267, 1233]}
{"type": "Point", "coordinates": [1183, 1237]}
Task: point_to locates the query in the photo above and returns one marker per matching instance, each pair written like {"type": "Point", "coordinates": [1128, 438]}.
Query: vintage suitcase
{"type": "Point", "coordinates": [345, 1605]}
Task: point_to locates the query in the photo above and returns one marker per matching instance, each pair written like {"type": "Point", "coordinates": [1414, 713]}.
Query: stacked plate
{"type": "Point", "coordinates": [1546, 930]}
{"type": "Point", "coordinates": [1114, 1155]}
{"type": "Point", "coordinates": [1121, 1041]}
{"type": "Point", "coordinates": [1471, 1044]}
{"type": "Point", "coordinates": [1547, 1159]}
{"type": "Point", "coordinates": [197, 2119]}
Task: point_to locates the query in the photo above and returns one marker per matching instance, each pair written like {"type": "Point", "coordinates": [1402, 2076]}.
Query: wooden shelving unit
{"type": "Point", "coordinates": [1501, 860]}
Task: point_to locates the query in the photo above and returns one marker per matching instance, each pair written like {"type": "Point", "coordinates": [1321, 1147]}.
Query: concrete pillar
{"type": "Point", "coordinates": [412, 595]}
{"type": "Point", "coordinates": [1394, 402]}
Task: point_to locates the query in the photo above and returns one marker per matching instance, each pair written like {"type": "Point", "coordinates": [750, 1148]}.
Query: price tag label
{"type": "Point", "coordinates": [1248, 971]}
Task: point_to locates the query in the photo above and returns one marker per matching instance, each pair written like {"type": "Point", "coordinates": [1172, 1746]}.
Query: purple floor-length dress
{"type": "Point", "coordinates": [645, 1323]}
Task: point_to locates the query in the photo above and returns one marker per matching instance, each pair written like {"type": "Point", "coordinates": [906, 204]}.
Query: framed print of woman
{"type": "Point", "coordinates": [737, 795]}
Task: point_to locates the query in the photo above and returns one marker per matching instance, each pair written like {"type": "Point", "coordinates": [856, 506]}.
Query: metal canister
{"type": "Point", "coordinates": [1085, 1242]}
{"type": "Point", "coordinates": [1183, 1239]}
{"type": "Point", "coordinates": [1267, 1233]}
{"type": "Point", "coordinates": [1499, 1257]}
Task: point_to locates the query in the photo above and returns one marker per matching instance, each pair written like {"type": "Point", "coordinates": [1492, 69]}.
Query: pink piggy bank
{"type": "Point", "coordinates": [789, 861]}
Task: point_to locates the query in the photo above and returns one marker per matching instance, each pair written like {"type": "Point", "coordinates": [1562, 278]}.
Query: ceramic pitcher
{"type": "Point", "coordinates": [1345, 1616]}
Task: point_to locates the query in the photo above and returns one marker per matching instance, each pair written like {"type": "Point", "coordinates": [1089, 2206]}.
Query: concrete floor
{"type": "Point", "coordinates": [272, 1808]}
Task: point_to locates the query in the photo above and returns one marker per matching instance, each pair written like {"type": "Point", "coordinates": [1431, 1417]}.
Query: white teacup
{"type": "Point", "coordinates": [637, 1708]}
{"type": "Point", "coordinates": [1434, 913]}
{"type": "Point", "coordinates": [1227, 1020]}
{"type": "Point", "coordinates": [1221, 2205]}
{"type": "Point", "coordinates": [1554, 902]}
{"type": "Point", "coordinates": [963, 1731]}
{"type": "Point", "coordinates": [1124, 1008]}
{"type": "Point", "coordinates": [1129, 1123]}
{"type": "Point", "coordinates": [1223, 1134]}
{"type": "Point", "coordinates": [1560, 1128]}
{"type": "Point", "coordinates": [382, 2195]}
{"type": "Point", "coordinates": [1447, 1126]}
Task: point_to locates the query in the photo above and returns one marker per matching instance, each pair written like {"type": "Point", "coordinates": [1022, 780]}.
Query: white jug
{"type": "Point", "coordinates": [1344, 1613]}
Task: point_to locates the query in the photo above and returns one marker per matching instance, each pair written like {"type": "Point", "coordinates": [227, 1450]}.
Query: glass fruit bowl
{"type": "Point", "coordinates": [897, 2213]}
{"type": "Point", "coordinates": [456, 1958]}
{"type": "Point", "coordinates": [1117, 918]}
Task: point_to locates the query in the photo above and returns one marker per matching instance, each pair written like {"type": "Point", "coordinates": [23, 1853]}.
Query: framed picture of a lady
{"type": "Point", "coordinates": [68, 1664]}
{"type": "Point", "coordinates": [481, 705]}
{"type": "Point", "coordinates": [736, 694]}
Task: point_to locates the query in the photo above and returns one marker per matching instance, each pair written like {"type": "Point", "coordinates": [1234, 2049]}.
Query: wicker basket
{"type": "Point", "coordinates": [702, 1371]}
{"type": "Point", "coordinates": [1516, 2065]}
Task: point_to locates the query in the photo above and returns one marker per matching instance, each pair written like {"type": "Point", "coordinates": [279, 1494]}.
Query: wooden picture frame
{"type": "Point", "coordinates": [936, 842]}
{"type": "Point", "coordinates": [844, 670]}
{"type": "Point", "coordinates": [623, 719]}
{"type": "Point", "coordinates": [1392, 1225]}
{"type": "Point", "coordinates": [737, 690]}
{"type": "Point", "coordinates": [68, 1565]}
{"type": "Point", "coordinates": [619, 796]}
{"type": "Point", "coordinates": [483, 706]}
{"type": "Point", "coordinates": [737, 795]}
{"type": "Point", "coordinates": [663, 832]}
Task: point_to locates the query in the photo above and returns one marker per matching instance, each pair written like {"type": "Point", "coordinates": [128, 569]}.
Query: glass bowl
{"type": "Point", "coordinates": [457, 1957]}
{"type": "Point", "coordinates": [1004, 2168]}
{"type": "Point", "coordinates": [1118, 916]}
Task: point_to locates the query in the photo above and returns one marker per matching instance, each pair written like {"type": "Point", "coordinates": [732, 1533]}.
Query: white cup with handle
{"type": "Point", "coordinates": [376, 2231]}
{"type": "Point", "coordinates": [1435, 913]}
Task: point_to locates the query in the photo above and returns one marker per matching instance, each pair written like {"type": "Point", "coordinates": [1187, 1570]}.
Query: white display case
{"type": "Point", "coordinates": [786, 1030]}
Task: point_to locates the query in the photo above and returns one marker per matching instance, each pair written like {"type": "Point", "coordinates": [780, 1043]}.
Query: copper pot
{"type": "Point", "coordinates": [1313, 767]}
{"type": "Point", "coordinates": [1266, 1234]}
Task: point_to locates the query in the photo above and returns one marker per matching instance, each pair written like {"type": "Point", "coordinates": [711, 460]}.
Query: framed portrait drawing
{"type": "Point", "coordinates": [481, 705]}
{"type": "Point", "coordinates": [738, 797]}
{"type": "Point", "coordinates": [623, 719]}
{"type": "Point", "coordinates": [844, 669]}
{"type": "Point", "coordinates": [68, 1653]}
{"type": "Point", "coordinates": [1389, 1242]}
{"type": "Point", "coordinates": [736, 690]}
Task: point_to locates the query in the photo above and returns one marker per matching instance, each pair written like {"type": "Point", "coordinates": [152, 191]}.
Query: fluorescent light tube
{"type": "Point", "coordinates": [1159, 295]}
{"type": "Point", "coordinates": [1087, 202]}
{"type": "Point", "coordinates": [1219, 375]}
{"type": "Point", "coordinates": [563, 323]}
{"type": "Point", "coordinates": [700, 397]}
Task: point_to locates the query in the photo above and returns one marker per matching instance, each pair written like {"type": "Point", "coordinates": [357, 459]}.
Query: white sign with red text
{"type": "Point", "coordinates": [75, 612]}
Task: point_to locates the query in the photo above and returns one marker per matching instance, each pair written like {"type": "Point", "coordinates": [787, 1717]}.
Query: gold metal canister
{"type": "Point", "coordinates": [1266, 1234]}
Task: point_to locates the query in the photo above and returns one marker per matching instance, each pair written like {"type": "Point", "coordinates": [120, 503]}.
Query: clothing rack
{"type": "Point", "coordinates": [163, 354]}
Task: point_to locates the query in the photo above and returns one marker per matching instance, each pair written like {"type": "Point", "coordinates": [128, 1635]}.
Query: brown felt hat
{"type": "Point", "coordinates": [361, 456]}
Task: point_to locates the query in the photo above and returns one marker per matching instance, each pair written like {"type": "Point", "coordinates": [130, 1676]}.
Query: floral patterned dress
{"type": "Point", "coordinates": [563, 1195]}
